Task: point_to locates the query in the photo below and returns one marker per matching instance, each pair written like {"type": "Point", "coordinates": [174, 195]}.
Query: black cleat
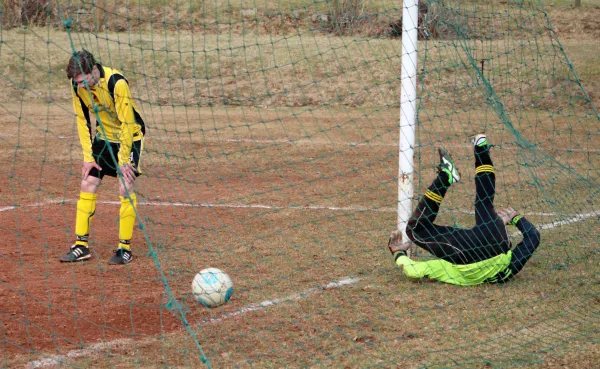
{"type": "Point", "coordinates": [447, 165]}
{"type": "Point", "coordinates": [121, 256]}
{"type": "Point", "coordinates": [76, 253]}
{"type": "Point", "coordinates": [478, 139]}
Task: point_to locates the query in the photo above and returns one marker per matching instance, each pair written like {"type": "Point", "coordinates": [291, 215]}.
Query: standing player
{"type": "Point", "coordinates": [115, 150]}
{"type": "Point", "coordinates": [466, 257]}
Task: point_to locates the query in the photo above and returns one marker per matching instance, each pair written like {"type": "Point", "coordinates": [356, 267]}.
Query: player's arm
{"type": "Point", "coordinates": [124, 109]}
{"type": "Point", "coordinates": [84, 125]}
{"type": "Point", "coordinates": [410, 268]}
{"type": "Point", "coordinates": [525, 249]}
{"type": "Point", "coordinates": [436, 270]}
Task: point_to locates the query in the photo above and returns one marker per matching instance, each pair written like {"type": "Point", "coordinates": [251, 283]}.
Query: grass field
{"type": "Point", "coordinates": [274, 156]}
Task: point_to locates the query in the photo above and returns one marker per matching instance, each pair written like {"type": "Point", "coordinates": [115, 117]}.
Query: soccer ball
{"type": "Point", "coordinates": [212, 287]}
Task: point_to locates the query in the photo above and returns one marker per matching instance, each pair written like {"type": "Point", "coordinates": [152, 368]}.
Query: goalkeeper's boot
{"type": "Point", "coordinates": [478, 139]}
{"type": "Point", "coordinates": [121, 256]}
{"type": "Point", "coordinates": [447, 165]}
{"type": "Point", "coordinates": [76, 253]}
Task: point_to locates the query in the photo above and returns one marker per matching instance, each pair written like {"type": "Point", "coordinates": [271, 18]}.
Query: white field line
{"type": "Point", "coordinates": [265, 304]}
{"type": "Point", "coordinates": [48, 202]}
{"type": "Point", "coordinates": [558, 223]}
{"type": "Point", "coordinates": [211, 205]}
{"type": "Point", "coordinates": [106, 346]}
{"type": "Point", "coordinates": [274, 207]}
{"type": "Point", "coordinates": [300, 142]}
{"type": "Point", "coordinates": [353, 144]}
{"type": "Point", "coordinates": [258, 206]}
{"type": "Point", "coordinates": [89, 351]}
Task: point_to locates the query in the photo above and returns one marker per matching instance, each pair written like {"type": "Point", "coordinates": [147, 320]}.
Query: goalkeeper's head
{"type": "Point", "coordinates": [83, 69]}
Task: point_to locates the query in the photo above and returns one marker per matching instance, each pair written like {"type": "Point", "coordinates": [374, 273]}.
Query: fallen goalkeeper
{"type": "Point", "coordinates": [466, 257]}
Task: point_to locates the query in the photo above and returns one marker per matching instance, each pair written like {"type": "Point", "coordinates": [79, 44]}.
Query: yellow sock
{"type": "Point", "coordinates": [86, 207]}
{"type": "Point", "coordinates": [126, 220]}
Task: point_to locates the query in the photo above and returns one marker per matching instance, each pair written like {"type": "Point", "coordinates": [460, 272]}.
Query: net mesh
{"type": "Point", "coordinates": [272, 154]}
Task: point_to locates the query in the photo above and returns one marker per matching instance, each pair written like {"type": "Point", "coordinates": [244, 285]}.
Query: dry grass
{"type": "Point", "coordinates": [311, 70]}
{"type": "Point", "coordinates": [121, 15]}
{"type": "Point", "coordinates": [229, 71]}
{"type": "Point", "coordinates": [293, 165]}
{"type": "Point", "coordinates": [294, 160]}
{"type": "Point", "coordinates": [274, 156]}
{"type": "Point", "coordinates": [266, 65]}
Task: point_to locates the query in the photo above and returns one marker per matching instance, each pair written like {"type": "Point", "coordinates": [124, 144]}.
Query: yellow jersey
{"type": "Point", "coordinates": [116, 115]}
{"type": "Point", "coordinates": [463, 275]}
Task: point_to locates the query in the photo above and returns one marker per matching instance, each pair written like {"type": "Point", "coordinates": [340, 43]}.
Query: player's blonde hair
{"type": "Point", "coordinates": [81, 62]}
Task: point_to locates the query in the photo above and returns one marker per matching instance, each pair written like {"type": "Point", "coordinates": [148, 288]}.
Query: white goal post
{"type": "Point", "coordinates": [408, 103]}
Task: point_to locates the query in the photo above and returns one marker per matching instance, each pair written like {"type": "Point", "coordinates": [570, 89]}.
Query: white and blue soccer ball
{"type": "Point", "coordinates": [212, 287]}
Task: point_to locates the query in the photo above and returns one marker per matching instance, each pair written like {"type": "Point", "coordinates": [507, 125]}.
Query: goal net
{"type": "Point", "coordinates": [272, 153]}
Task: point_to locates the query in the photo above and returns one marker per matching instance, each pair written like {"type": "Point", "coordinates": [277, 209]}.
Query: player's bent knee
{"type": "Point", "coordinates": [90, 184]}
{"type": "Point", "coordinates": [125, 190]}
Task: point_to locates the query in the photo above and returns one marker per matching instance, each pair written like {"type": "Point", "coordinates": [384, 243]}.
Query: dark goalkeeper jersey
{"type": "Point", "coordinates": [498, 269]}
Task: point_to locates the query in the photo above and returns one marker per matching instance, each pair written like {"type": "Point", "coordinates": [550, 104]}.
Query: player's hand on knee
{"type": "Point", "coordinates": [87, 167]}
{"type": "Point", "coordinates": [128, 173]}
